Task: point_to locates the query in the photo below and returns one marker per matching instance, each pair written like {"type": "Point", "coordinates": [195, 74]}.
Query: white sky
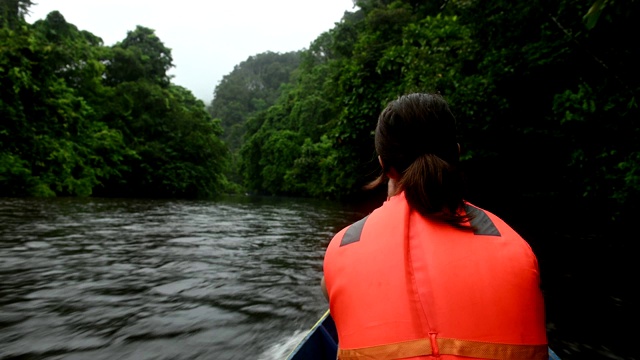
{"type": "Point", "coordinates": [207, 38]}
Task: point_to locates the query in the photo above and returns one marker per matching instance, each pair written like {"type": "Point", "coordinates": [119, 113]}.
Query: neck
{"type": "Point", "coordinates": [391, 187]}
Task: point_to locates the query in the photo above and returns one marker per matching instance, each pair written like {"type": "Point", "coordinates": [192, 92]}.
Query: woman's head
{"type": "Point", "coordinates": [415, 125]}
{"type": "Point", "coordinates": [417, 145]}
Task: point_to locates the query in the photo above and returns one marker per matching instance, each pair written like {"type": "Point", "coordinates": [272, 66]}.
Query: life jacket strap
{"type": "Point", "coordinates": [422, 347]}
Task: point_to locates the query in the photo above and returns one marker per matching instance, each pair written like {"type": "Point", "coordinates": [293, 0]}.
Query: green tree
{"type": "Point", "coordinates": [252, 86]}
{"type": "Point", "coordinates": [531, 83]}
{"type": "Point", "coordinates": [179, 152]}
{"type": "Point", "coordinates": [50, 134]}
{"type": "Point", "coordinates": [81, 119]}
{"type": "Point", "coordinates": [12, 12]}
{"type": "Point", "coordinates": [141, 55]}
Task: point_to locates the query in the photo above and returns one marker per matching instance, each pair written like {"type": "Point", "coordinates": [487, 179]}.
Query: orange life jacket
{"type": "Point", "coordinates": [402, 286]}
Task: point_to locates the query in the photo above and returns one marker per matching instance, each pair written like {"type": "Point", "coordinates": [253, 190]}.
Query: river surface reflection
{"type": "Point", "coordinates": [235, 278]}
{"type": "Point", "coordinates": [156, 279]}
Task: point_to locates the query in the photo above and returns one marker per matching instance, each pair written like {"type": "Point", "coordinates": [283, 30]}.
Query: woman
{"type": "Point", "coordinates": [428, 274]}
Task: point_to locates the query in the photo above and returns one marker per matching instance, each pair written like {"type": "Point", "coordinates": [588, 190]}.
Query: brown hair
{"type": "Point", "coordinates": [416, 137]}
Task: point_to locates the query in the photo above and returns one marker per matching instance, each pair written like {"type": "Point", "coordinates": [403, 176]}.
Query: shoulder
{"type": "Point", "coordinates": [487, 223]}
{"type": "Point", "coordinates": [381, 215]}
{"type": "Point", "coordinates": [349, 234]}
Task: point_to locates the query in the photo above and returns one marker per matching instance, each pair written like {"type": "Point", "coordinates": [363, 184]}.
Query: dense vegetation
{"type": "Point", "coordinates": [253, 86]}
{"type": "Point", "coordinates": [545, 93]}
{"type": "Point", "coordinates": [80, 118]}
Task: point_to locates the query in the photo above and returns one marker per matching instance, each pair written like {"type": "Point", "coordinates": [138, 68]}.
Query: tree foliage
{"type": "Point", "coordinates": [140, 56]}
{"type": "Point", "coordinates": [545, 94]}
{"type": "Point", "coordinates": [253, 86]}
{"type": "Point", "coordinates": [81, 119]}
{"type": "Point", "coordinates": [12, 12]}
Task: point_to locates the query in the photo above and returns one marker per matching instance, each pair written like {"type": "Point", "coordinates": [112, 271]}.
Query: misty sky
{"type": "Point", "coordinates": [207, 38]}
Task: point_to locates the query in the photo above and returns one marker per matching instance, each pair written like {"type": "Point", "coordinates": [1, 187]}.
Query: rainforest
{"type": "Point", "coordinates": [545, 94]}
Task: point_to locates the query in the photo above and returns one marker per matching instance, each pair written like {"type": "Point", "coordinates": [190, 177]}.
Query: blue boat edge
{"type": "Point", "coordinates": [321, 342]}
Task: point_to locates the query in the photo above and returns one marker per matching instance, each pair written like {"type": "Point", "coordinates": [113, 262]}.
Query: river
{"type": "Point", "coordinates": [234, 278]}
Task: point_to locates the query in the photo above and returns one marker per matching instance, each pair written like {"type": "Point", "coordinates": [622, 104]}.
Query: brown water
{"type": "Point", "coordinates": [236, 278]}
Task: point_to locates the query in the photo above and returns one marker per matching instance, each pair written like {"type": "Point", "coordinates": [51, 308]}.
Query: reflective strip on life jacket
{"type": "Point", "coordinates": [422, 347]}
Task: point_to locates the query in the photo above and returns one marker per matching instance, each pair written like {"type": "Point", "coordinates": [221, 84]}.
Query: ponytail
{"type": "Point", "coordinates": [433, 188]}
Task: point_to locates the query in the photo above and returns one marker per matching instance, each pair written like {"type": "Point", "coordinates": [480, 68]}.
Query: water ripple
{"type": "Point", "coordinates": [161, 279]}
